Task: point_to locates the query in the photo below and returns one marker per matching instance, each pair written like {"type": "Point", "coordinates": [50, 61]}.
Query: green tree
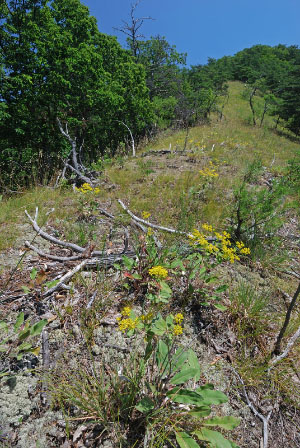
{"type": "Point", "coordinates": [56, 64]}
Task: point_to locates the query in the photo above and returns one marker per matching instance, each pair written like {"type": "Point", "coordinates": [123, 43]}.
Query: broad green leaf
{"type": "Point", "coordinates": [52, 283]}
{"type": "Point", "coordinates": [128, 262]}
{"type": "Point", "coordinates": [184, 440]}
{"type": "Point", "coordinates": [211, 396]}
{"type": "Point", "coordinates": [222, 288]}
{"type": "Point", "coordinates": [193, 362]}
{"type": "Point", "coordinates": [38, 327]}
{"type": "Point", "coordinates": [199, 412]}
{"type": "Point", "coordinates": [185, 396]}
{"type": "Point", "coordinates": [165, 291]}
{"type": "Point", "coordinates": [33, 273]}
{"type": "Point", "coordinates": [159, 326]}
{"type": "Point", "coordinates": [220, 307]}
{"type": "Point", "coordinates": [145, 405]}
{"type": "Point", "coordinates": [24, 334]}
{"type": "Point", "coordinates": [226, 422]}
{"type": "Point", "coordinates": [25, 289]}
{"type": "Point", "coordinates": [24, 346]}
{"type": "Point", "coordinates": [162, 355]}
{"type": "Point", "coordinates": [184, 375]}
{"type": "Point", "coordinates": [213, 437]}
{"type": "Point", "coordinates": [136, 276]}
{"type": "Point", "coordinates": [179, 359]}
{"type": "Point", "coordinates": [19, 321]}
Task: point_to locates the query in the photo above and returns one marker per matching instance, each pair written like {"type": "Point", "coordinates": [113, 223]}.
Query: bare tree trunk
{"type": "Point", "coordinates": [264, 113]}
{"type": "Point", "coordinates": [252, 94]}
{"type": "Point", "coordinates": [277, 347]}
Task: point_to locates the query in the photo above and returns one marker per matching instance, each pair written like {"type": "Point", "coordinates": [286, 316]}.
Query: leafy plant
{"type": "Point", "coordinates": [17, 341]}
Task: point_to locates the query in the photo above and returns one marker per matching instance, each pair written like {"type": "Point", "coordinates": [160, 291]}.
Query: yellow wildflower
{"type": "Point", "coordinates": [178, 318]}
{"type": "Point", "coordinates": [177, 330]}
{"type": "Point", "coordinates": [158, 272]}
{"type": "Point", "coordinates": [126, 311]}
{"type": "Point", "coordinates": [146, 215]}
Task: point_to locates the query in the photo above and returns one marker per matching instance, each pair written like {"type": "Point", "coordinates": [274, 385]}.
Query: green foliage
{"type": "Point", "coordinates": [16, 341]}
{"type": "Point", "coordinates": [257, 210]}
{"type": "Point", "coordinates": [57, 64]}
{"type": "Point", "coordinates": [152, 386]}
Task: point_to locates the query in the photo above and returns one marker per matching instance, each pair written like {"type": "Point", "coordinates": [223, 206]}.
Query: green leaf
{"type": "Point", "coordinates": [128, 262]}
{"type": "Point", "coordinates": [222, 288]}
{"type": "Point", "coordinates": [159, 326]}
{"type": "Point", "coordinates": [220, 307]}
{"type": "Point", "coordinates": [24, 346]}
{"type": "Point", "coordinates": [213, 437]}
{"type": "Point", "coordinates": [227, 422]}
{"type": "Point", "coordinates": [185, 396]}
{"type": "Point", "coordinates": [33, 273]}
{"type": "Point", "coordinates": [38, 327]}
{"type": "Point", "coordinates": [19, 321]}
{"type": "Point", "coordinates": [24, 334]}
{"type": "Point", "coordinates": [137, 276]}
{"type": "Point", "coordinates": [3, 326]}
{"type": "Point", "coordinates": [184, 375]}
{"type": "Point", "coordinates": [201, 411]}
{"type": "Point", "coordinates": [162, 354]}
{"type": "Point", "coordinates": [185, 441]}
{"type": "Point", "coordinates": [165, 291]}
{"type": "Point", "coordinates": [193, 362]}
{"type": "Point", "coordinates": [52, 283]}
{"type": "Point", "coordinates": [211, 396]}
{"type": "Point", "coordinates": [25, 289]}
{"type": "Point", "coordinates": [179, 359]}
{"type": "Point", "coordinates": [145, 405]}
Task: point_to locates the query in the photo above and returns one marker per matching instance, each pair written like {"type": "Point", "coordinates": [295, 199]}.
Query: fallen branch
{"type": "Point", "coordinates": [155, 226]}
{"type": "Point", "coordinates": [149, 224]}
{"type": "Point", "coordinates": [48, 237]}
{"type": "Point", "coordinates": [265, 420]}
{"type": "Point", "coordinates": [65, 278]}
{"type": "Point", "coordinates": [52, 257]}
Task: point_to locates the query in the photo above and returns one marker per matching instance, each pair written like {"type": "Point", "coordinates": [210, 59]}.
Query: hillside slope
{"type": "Point", "coordinates": [232, 311]}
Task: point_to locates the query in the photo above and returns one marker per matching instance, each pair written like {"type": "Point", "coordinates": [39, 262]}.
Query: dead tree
{"type": "Point", "coordinates": [72, 163]}
{"type": "Point", "coordinates": [131, 29]}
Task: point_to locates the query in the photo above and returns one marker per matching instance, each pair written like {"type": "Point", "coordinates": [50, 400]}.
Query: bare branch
{"type": "Point", "coordinates": [51, 238]}
{"type": "Point", "coordinates": [155, 226]}
{"type": "Point", "coordinates": [289, 346]}
{"type": "Point", "coordinates": [65, 278]}
{"type": "Point", "coordinates": [265, 420]}
{"type": "Point", "coordinates": [132, 139]}
{"type": "Point", "coordinates": [52, 257]}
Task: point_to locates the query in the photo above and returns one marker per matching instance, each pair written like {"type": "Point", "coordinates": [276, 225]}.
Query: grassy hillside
{"type": "Point", "coordinates": [223, 161]}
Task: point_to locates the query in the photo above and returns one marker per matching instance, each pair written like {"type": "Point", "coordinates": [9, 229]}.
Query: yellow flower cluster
{"type": "Point", "coordinates": [146, 215]}
{"type": "Point", "coordinates": [126, 311]}
{"type": "Point", "coordinates": [158, 272]}
{"type": "Point", "coordinates": [85, 188]}
{"type": "Point", "coordinates": [223, 247]}
{"type": "Point", "coordinates": [209, 171]}
{"type": "Point", "coordinates": [127, 324]}
{"type": "Point", "coordinates": [178, 318]}
{"type": "Point", "coordinates": [177, 330]}
{"type": "Point", "coordinates": [199, 239]}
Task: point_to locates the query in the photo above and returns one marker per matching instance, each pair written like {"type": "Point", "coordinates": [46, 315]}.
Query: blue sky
{"type": "Point", "coordinates": [206, 28]}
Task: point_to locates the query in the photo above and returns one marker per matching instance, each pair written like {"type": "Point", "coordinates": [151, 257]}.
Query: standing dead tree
{"type": "Point", "coordinates": [131, 29]}
{"type": "Point", "coordinates": [72, 163]}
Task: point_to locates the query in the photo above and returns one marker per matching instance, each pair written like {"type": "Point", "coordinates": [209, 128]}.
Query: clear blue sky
{"type": "Point", "coordinates": [206, 28]}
